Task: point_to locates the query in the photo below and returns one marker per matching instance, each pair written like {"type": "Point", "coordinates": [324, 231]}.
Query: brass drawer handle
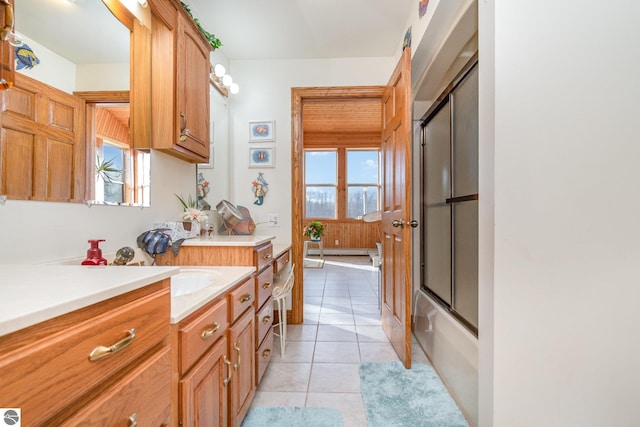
{"type": "Point", "coordinates": [208, 333]}
{"type": "Point", "coordinates": [266, 353]}
{"type": "Point", "coordinates": [246, 297]}
{"type": "Point", "coordinates": [237, 364]}
{"type": "Point", "coordinates": [133, 420]}
{"type": "Point", "coordinates": [227, 362]}
{"type": "Point", "coordinates": [100, 352]}
{"type": "Point", "coordinates": [266, 285]}
{"type": "Point", "coordinates": [267, 256]}
{"type": "Point", "coordinates": [266, 319]}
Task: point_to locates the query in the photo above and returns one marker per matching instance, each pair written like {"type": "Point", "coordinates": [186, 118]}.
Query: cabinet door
{"type": "Point", "coordinates": [242, 348]}
{"type": "Point", "coordinates": [6, 50]}
{"type": "Point", "coordinates": [193, 89]}
{"type": "Point", "coordinates": [204, 391]}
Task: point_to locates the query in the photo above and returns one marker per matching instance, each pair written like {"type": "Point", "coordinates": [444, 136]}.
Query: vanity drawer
{"type": "Point", "coordinates": [281, 262]}
{"type": "Point", "coordinates": [264, 286]}
{"type": "Point", "coordinates": [240, 299]}
{"type": "Point", "coordinates": [263, 256]}
{"type": "Point", "coordinates": [197, 335]}
{"type": "Point", "coordinates": [263, 356]}
{"type": "Point", "coordinates": [264, 321]}
{"type": "Point", "coordinates": [49, 373]}
{"type": "Point", "coordinates": [143, 396]}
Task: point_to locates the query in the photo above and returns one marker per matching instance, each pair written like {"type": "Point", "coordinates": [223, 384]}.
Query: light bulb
{"type": "Point", "coordinates": [219, 70]}
{"type": "Point", "coordinates": [227, 80]}
{"type": "Point", "coordinates": [234, 88]}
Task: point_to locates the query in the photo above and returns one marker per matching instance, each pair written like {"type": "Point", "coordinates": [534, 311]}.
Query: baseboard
{"type": "Point", "coordinates": [343, 251]}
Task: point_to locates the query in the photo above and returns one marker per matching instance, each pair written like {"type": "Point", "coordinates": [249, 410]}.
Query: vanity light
{"type": "Point", "coordinates": [223, 81]}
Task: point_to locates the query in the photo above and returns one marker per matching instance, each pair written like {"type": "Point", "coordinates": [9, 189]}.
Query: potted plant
{"type": "Point", "coordinates": [191, 213]}
{"type": "Point", "coordinates": [314, 230]}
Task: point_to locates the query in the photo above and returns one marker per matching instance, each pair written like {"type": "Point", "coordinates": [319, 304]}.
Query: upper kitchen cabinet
{"type": "Point", "coordinates": [7, 69]}
{"type": "Point", "coordinates": [180, 70]}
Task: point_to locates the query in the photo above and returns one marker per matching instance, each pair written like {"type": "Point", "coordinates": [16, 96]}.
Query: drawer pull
{"type": "Point", "coordinates": [246, 297]}
{"type": "Point", "coordinates": [100, 352]}
{"type": "Point", "coordinates": [227, 362]}
{"type": "Point", "coordinates": [267, 256]}
{"type": "Point", "coordinates": [133, 420]}
{"type": "Point", "coordinates": [266, 319]}
{"type": "Point", "coordinates": [266, 353]}
{"type": "Point", "coordinates": [266, 285]}
{"type": "Point", "coordinates": [208, 333]}
{"type": "Point", "coordinates": [237, 364]}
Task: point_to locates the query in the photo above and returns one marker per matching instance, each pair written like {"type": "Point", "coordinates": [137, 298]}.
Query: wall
{"type": "Point", "coordinates": [265, 94]}
{"type": "Point", "coordinates": [563, 170]}
{"type": "Point", "coordinates": [36, 232]}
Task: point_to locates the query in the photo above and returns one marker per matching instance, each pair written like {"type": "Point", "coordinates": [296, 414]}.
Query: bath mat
{"type": "Point", "coordinates": [294, 416]}
{"type": "Point", "coordinates": [313, 263]}
{"type": "Point", "coordinates": [395, 396]}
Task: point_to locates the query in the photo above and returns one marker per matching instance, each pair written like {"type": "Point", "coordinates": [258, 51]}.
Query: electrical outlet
{"type": "Point", "coordinates": [337, 242]}
{"type": "Point", "coordinates": [274, 220]}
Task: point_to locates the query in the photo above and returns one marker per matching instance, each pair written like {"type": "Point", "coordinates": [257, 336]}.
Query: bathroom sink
{"type": "Point", "coordinates": [190, 280]}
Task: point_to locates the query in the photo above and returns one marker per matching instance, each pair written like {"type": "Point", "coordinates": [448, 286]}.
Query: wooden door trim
{"type": "Point", "coordinates": [298, 96]}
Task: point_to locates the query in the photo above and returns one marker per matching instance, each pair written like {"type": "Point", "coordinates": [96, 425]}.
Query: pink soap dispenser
{"type": "Point", "coordinates": [94, 254]}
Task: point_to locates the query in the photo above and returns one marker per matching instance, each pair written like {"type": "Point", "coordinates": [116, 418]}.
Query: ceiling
{"type": "Point", "coordinates": [86, 32]}
{"type": "Point", "coordinates": [300, 29]}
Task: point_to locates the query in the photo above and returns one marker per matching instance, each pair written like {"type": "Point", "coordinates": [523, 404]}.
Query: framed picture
{"type": "Point", "coordinates": [262, 157]}
{"type": "Point", "coordinates": [262, 131]}
{"type": "Point", "coordinates": [210, 164]}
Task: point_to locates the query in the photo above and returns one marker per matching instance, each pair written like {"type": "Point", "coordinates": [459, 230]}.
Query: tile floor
{"type": "Point", "coordinates": [341, 329]}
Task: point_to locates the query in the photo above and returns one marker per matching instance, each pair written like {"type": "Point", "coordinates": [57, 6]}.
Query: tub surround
{"type": "Point", "coordinates": [184, 305]}
{"type": "Point", "coordinates": [34, 293]}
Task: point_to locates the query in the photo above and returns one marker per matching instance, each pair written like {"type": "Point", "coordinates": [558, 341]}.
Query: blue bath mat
{"type": "Point", "coordinates": [395, 396]}
{"type": "Point", "coordinates": [283, 416]}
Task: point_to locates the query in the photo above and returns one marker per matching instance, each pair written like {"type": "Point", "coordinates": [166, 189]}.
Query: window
{"type": "Point", "coordinates": [341, 183]}
{"type": "Point", "coordinates": [321, 183]}
{"type": "Point", "coordinates": [363, 182]}
{"type": "Point", "coordinates": [123, 174]}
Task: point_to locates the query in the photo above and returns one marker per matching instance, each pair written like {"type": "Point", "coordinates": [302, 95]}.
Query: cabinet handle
{"type": "Point", "coordinates": [133, 420]}
{"type": "Point", "coordinates": [229, 371]}
{"type": "Point", "coordinates": [267, 256]}
{"type": "Point", "coordinates": [208, 333]}
{"type": "Point", "coordinates": [266, 319]}
{"type": "Point", "coordinates": [237, 364]}
{"type": "Point", "coordinates": [183, 126]}
{"type": "Point", "coordinates": [246, 297]}
{"type": "Point", "coordinates": [100, 352]}
{"type": "Point", "coordinates": [266, 285]}
{"type": "Point", "coordinates": [266, 353]}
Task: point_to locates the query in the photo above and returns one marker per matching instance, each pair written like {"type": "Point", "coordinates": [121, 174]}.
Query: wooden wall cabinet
{"type": "Point", "coordinates": [47, 369]}
{"type": "Point", "coordinates": [180, 70]}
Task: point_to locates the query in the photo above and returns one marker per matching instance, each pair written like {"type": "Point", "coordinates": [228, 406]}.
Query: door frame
{"type": "Point", "coordinates": [298, 96]}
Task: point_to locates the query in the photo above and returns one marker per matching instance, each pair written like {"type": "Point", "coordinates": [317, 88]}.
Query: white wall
{"type": "Point", "coordinates": [36, 232]}
{"type": "Point", "coordinates": [265, 94]}
{"type": "Point", "coordinates": [565, 264]}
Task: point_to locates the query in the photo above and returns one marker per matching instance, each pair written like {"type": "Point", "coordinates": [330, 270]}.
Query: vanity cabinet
{"type": "Point", "coordinates": [106, 364]}
{"type": "Point", "coordinates": [214, 361]}
{"type": "Point", "coordinates": [180, 70]}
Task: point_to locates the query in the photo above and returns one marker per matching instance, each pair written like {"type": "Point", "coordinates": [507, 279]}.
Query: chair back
{"type": "Point", "coordinates": [285, 289]}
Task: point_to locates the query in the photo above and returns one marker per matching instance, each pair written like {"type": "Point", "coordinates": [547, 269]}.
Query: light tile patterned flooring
{"type": "Point", "coordinates": [341, 329]}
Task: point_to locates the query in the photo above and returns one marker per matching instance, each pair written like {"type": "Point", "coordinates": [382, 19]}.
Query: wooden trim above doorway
{"type": "Point", "coordinates": [298, 97]}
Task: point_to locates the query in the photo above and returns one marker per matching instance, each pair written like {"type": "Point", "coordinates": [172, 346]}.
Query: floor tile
{"type": "Point", "coordinates": [286, 377]}
{"type": "Point", "coordinates": [295, 351]}
{"type": "Point", "coordinates": [349, 404]}
{"type": "Point", "coordinates": [279, 398]}
{"type": "Point", "coordinates": [336, 319]}
{"type": "Point", "coordinates": [301, 332]}
{"type": "Point", "coordinates": [335, 377]}
{"type": "Point", "coordinates": [377, 352]}
{"type": "Point", "coordinates": [336, 352]}
{"type": "Point", "coordinates": [336, 333]}
{"type": "Point", "coordinates": [368, 333]}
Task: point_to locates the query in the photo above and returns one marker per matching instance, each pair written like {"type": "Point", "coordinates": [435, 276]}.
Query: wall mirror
{"type": "Point", "coordinates": [85, 50]}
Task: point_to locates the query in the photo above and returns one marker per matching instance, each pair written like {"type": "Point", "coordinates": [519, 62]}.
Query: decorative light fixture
{"type": "Point", "coordinates": [223, 81]}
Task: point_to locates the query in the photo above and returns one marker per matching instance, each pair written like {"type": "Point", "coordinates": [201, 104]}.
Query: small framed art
{"type": "Point", "coordinates": [262, 157]}
{"type": "Point", "coordinates": [262, 131]}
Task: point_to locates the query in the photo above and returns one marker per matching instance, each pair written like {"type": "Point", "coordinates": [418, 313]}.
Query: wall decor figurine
{"type": "Point", "coordinates": [203, 190]}
{"type": "Point", "coordinates": [260, 188]}
{"type": "Point", "coordinates": [422, 7]}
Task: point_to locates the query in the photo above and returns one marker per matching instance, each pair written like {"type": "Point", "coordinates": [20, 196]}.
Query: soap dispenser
{"type": "Point", "coordinates": [94, 254]}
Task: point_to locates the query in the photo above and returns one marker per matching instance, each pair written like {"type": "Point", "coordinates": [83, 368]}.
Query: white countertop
{"type": "Point", "coordinates": [31, 294]}
{"type": "Point", "coordinates": [184, 305]}
{"type": "Point", "coordinates": [220, 240]}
